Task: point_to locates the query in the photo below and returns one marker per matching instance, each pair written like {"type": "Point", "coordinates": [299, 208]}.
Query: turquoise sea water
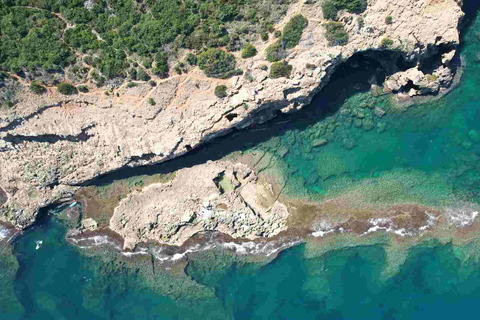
{"type": "Point", "coordinates": [431, 149]}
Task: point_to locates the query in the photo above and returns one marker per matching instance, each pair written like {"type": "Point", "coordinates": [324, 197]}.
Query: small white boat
{"type": "Point", "coordinates": [39, 244]}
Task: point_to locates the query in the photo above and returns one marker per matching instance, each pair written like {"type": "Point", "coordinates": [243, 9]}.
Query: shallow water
{"type": "Point", "coordinates": [428, 154]}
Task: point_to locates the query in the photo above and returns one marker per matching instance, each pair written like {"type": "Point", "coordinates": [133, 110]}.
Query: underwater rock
{"type": "Point", "coordinates": [349, 143]}
{"type": "Point", "coordinates": [282, 151]}
{"type": "Point", "coordinates": [319, 142]}
{"type": "Point", "coordinates": [379, 112]}
{"type": "Point", "coordinates": [474, 136]}
{"type": "Point", "coordinates": [368, 124]}
{"type": "Point", "coordinates": [358, 123]}
{"type": "Point", "coordinates": [381, 127]}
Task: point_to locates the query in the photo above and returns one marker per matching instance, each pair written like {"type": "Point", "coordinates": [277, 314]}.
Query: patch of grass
{"type": "Point", "coordinates": [336, 34]}
{"type": "Point", "coordinates": [221, 91]}
{"type": "Point", "coordinates": [249, 51]}
{"type": "Point", "coordinates": [264, 36]}
{"type": "Point", "coordinates": [431, 77]}
{"type": "Point", "coordinates": [151, 102]}
{"type": "Point", "coordinates": [280, 69]}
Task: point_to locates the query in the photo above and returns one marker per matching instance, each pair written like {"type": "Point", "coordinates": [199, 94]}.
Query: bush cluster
{"type": "Point", "coordinates": [330, 8]}
{"type": "Point", "coordinates": [292, 32]}
{"type": "Point", "coordinates": [335, 34]}
{"type": "Point", "coordinates": [82, 88]}
{"type": "Point", "coordinates": [280, 69]}
{"type": "Point", "coordinates": [111, 31]}
{"type": "Point", "coordinates": [221, 91]}
{"type": "Point", "coordinates": [66, 88]}
{"type": "Point", "coordinates": [37, 88]}
{"type": "Point", "coordinates": [216, 63]}
{"type": "Point", "coordinates": [275, 52]}
{"type": "Point", "coordinates": [249, 51]}
{"type": "Point", "coordinates": [386, 43]}
{"type": "Point", "coordinates": [191, 59]}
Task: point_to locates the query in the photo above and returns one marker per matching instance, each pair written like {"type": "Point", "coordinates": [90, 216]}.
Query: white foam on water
{"type": "Point", "coordinates": [390, 227]}
{"type": "Point", "coordinates": [130, 254]}
{"type": "Point", "coordinates": [460, 217]}
{"type": "Point", "coordinates": [264, 248]}
{"type": "Point", "coordinates": [320, 233]}
{"type": "Point", "coordinates": [98, 240]}
{"type": "Point", "coordinates": [4, 233]}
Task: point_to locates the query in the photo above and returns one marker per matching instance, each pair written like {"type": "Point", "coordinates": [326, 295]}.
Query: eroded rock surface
{"type": "Point", "coordinates": [50, 144]}
{"type": "Point", "coordinates": [219, 196]}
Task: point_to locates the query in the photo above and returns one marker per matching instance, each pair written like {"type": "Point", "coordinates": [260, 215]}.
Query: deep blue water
{"type": "Point", "coordinates": [432, 143]}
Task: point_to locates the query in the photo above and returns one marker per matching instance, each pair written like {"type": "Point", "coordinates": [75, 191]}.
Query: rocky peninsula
{"type": "Point", "coordinates": [52, 146]}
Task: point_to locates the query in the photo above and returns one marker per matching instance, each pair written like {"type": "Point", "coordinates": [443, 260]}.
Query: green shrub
{"type": "Point", "coordinates": [161, 65]}
{"type": "Point", "coordinates": [99, 80]}
{"type": "Point", "coordinates": [336, 34]}
{"type": "Point", "coordinates": [142, 74]}
{"type": "Point", "coordinates": [275, 52]}
{"type": "Point", "coordinates": [389, 20]}
{"type": "Point", "coordinates": [292, 32]}
{"type": "Point", "coordinates": [131, 84]}
{"type": "Point", "coordinates": [277, 34]}
{"type": "Point", "coordinates": [180, 68]}
{"type": "Point", "coordinates": [151, 101]}
{"type": "Point", "coordinates": [264, 36]}
{"type": "Point", "coordinates": [386, 43]}
{"type": "Point", "coordinates": [82, 88]}
{"type": "Point", "coordinates": [249, 51]}
{"type": "Point", "coordinates": [147, 63]}
{"type": "Point", "coordinates": [37, 88]}
{"type": "Point", "coordinates": [216, 63]}
{"type": "Point", "coordinates": [330, 8]}
{"type": "Point", "coordinates": [280, 69]}
{"type": "Point", "coordinates": [191, 59]}
{"type": "Point", "coordinates": [152, 83]}
{"type": "Point", "coordinates": [66, 88]}
{"type": "Point", "coordinates": [221, 91]}
{"type": "Point", "coordinates": [361, 22]}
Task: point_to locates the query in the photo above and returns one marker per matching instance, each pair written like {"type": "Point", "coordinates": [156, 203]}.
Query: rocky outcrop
{"type": "Point", "coordinates": [224, 197]}
{"type": "Point", "coordinates": [45, 152]}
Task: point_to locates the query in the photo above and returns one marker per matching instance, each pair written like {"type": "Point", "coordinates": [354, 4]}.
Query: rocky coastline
{"type": "Point", "coordinates": [53, 145]}
{"type": "Point", "coordinates": [229, 203]}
